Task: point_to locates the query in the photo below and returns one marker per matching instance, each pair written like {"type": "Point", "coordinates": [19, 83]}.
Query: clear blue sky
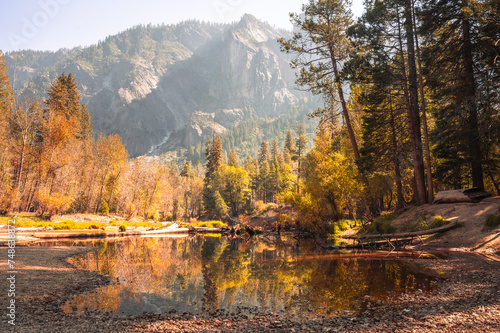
{"type": "Point", "coordinates": [55, 24]}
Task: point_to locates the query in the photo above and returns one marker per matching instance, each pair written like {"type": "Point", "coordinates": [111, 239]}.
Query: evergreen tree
{"type": "Point", "coordinates": [220, 208]}
{"type": "Point", "coordinates": [186, 170]}
{"type": "Point", "coordinates": [289, 145]}
{"type": "Point", "coordinates": [301, 148]}
{"type": "Point", "coordinates": [457, 43]}
{"type": "Point", "coordinates": [264, 155]}
{"type": "Point", "coordinates": [213, 156]}
{"type": "Point", "coordinates": [64, 99]}
{"type": "Point", "coordinates": [233, 159]}
{"type": "Point", "coordinates": [322, 46]}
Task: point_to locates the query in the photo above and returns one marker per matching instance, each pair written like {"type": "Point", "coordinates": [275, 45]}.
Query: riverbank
{"type": "Point", "coordinates": [466, 299]}
{"type": "Point", "coordinates": [466, 296]}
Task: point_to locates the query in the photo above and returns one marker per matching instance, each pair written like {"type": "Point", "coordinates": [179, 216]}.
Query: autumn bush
{"type": "Point", "coordinates": [51, 204]}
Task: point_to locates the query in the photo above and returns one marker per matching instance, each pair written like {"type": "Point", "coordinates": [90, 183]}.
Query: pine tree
{"type": "Point", "coordinates": [264, 155]}
{"type": "Point", "coordinates": [186, 170]}
{"type": "Point", "coordinates": [233, 159]}
{"type": "Point", "coordinates": [213, 156]}
{"type": "Point", "coordinates": [64, 99]}
{"type": "Point", "coordinates": [322, 46]}
{"type": "Point", "coordinates": [301, 148]}
{"type": "Point", "coordinates": [457, 76]}
{"type": "Point", "coordinates": [289, 145]}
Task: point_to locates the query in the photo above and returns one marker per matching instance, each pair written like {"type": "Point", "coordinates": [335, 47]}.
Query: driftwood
{"type": "Point", "coordinates": [405, 234]}
{"type": "Point", "coordinates": [463, 195]}
{"type": "Point", "coordinates": [393, 240]}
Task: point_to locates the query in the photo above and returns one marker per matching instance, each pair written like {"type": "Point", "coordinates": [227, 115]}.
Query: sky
{"type": "Point", "coordinates": [55, 24]}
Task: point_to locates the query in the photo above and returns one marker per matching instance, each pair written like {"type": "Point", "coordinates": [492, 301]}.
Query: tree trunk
{"type": "Point", "coordinates": [411, 98]}
{"type": "Point", "coordinates": [397, 171]}
{"type": "Point", "coordinates": [345, 112]}
{"type": "Point", "coordinates": [471, 105]}
{"type": "Point", "coordinates": [430, 193]}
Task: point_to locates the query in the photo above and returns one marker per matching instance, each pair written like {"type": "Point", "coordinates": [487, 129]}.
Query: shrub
{"type": "Point", "coordinates": [51, 204]}
{"type": "Point", "coordinates": [216, 224]}
{"type": "Point", "coordinates": [282, 218]}
{"type": "Point", "coordinates": [438, 221]}
{"type": "Point", "coordinates": [382, 225]}
{"type": "Point", "coordinates": [343, 225]}
{"type": "Point", "coordinates": [492, 220]}
{"type": "Point", "coordinates": [123, 228]}
{"type": "Point", "coordinates": [420, 224]}
{"type": "Point", "coordinates": [104, 209]}
{"type": "Point", "coordinates": [337, 227]}
{"type": "Point", "coordinates": [331, 228]}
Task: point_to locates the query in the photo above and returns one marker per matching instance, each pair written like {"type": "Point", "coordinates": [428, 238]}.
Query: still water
{"type": "Point", "coordinates": [202, 275]}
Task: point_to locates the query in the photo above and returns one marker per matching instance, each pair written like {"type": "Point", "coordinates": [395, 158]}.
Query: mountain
{"type": "Point", "coordinates": [162, 88]}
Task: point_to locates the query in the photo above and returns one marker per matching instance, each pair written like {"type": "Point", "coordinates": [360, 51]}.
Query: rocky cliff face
{"type": "Point", "coordinates": [162, 88]}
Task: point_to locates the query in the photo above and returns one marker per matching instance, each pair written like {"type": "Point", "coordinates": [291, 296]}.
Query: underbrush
{"type": "Point", "coordinates": [422, 224]}
{"type": "Point", "coordinates": [492, 220]}
{"type": "Point", "coordinates": [381, 225]}
{"type": "Point", "coordinates": [337, 227]}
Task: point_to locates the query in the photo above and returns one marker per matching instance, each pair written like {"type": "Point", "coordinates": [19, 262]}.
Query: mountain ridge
{"type": "Point", "coordinates": [151, 83]}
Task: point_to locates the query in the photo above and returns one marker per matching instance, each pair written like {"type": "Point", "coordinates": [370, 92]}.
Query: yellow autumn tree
{"type": "Point", "coordinates": [329, 186]}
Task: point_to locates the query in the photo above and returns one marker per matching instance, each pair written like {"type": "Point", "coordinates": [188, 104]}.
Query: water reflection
{"type": "Point", "coordinates": [207, 274]}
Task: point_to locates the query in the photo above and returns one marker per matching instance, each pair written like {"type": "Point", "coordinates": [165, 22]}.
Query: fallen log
{"type": "Point", "coordinates": [372, 244]}
{"type": "Point", "coordinates": [446, 227]}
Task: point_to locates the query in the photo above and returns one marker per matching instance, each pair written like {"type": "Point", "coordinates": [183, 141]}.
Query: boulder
{"type": "Point", "coordinates": [462, 195]}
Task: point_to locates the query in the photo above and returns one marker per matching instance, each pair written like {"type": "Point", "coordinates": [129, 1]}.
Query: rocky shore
{"type": "Point", "coordinates": [466, 299]}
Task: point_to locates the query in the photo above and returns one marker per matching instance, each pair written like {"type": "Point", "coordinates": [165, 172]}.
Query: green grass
{"type": "Point", "coordinates": [381, 225]}
{"type": "Point", "coordinates": [422, 223]}
{"type": "Point", "coordinates": [205, 224]}
{"type": "Point", "coordinates": [419, 225]}
{"type": "Point", "coordinates": [38, 222]}
{"type": "Point", "coordinates": [492, 220]}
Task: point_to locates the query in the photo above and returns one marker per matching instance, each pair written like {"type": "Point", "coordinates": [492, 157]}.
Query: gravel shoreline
{"type": "Point", "coordinates": [467, 299]}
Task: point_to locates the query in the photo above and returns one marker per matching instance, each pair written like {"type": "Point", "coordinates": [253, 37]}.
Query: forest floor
{"type": "Point", "coordinates": [466, 297]}
{"type": "Point", "coordinates": [472, 235]}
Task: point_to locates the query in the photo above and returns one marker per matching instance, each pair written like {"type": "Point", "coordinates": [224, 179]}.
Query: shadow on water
{"type": "Point", "coordinates": [208, 275]}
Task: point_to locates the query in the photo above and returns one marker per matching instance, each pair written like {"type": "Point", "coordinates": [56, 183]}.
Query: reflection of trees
{"type": "Point", "coordinates": [336, 284]}
{"type": "Point", "coordinates": [146, 265]}
{"type": "Point", "coordinates": [105, 299]}
{"type": "Point", "coordinates": [253, 272]}
{"type": "Point", "coordinates": [225, 267]}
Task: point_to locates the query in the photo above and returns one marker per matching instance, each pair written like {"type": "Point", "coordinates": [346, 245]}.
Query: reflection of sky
{"type": "Point", "coordinates": [54, 24]}
{"type": "Point", "coordinates": [159, 275]}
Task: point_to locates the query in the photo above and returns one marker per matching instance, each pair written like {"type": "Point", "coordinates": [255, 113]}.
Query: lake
{"type": "Point", "coordinates": [208, 275]}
